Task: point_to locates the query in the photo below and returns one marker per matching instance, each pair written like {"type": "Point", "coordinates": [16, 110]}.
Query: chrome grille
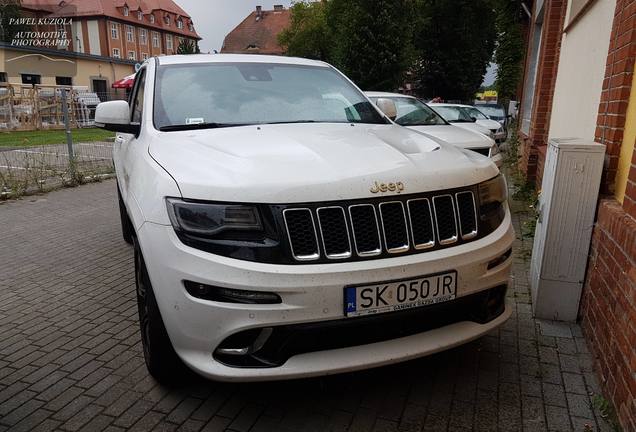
{"type": "Point", "coordinates": [334, 232]}
{"type": "Point", "coordinates": [301, 231]}
{"type": "Point", "coordinates": [467, 214]}
{"type": "Point", "coordinates": [422, 227]}
{"type": "Point", "coordinates": [396, 238]}
{"type": "Point", "coordinates": [445, 219]}
{"type": "Point", "coordinates": [366, 232]}
{"type": "Point", "coordinates": [362, 230]}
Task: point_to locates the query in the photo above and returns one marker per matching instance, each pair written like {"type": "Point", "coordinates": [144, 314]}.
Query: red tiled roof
{"type": "Point", "coordinates": [40, 5]}
{"type": "Point", "coordinates": [114, 9]}
{"type": "Point", "coordinates": [258, 36]}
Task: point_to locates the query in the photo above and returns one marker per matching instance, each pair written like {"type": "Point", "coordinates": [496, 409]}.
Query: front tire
{"type": "Point", "coordinates": [162, 361]}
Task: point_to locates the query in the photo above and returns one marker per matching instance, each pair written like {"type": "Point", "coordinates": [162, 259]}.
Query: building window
{"type": "Point", "coordinates": [31, 79]}
{"type": "Point", "coordinates": [531, 73]}
{"type": "Point", "coordinates": [132, 55]}
{"type": "Point", "coordinates": [191, 27]}
{"type": "Point", "coordinates": [3, 77]}
{"type": "Point", "coordinates": [144, 56]}
{"type": "Point", "coordinates": [63, 81]}
{"type": "Point", "coordinates": [155, 39]}
{"type": "Point", "coordinates": [140, 16]}
{"type": "Point", "coordinates": [130, 33]}
{"type": "Point", "coordinates": [179, 24]}
{"type": "Point", "coordinates": [114, 30]}
{"type": "Point", "coordinates": [167, 20]}
{"type": "Point", "coordinates": [169, 42]}
{"type": "Point", "coordinates": [143, 36]}
{"type": "Point", "coordinates": [116, 53]}
{"type": "Point", "coordinates": [126, 11]}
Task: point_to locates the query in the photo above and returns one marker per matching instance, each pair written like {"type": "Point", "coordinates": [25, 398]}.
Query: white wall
{"type": "Point", "coordinates": [579, 81]}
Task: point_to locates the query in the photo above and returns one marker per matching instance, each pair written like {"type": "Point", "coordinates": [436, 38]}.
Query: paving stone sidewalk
{"type": "Point", "coordinates": [71, 359]}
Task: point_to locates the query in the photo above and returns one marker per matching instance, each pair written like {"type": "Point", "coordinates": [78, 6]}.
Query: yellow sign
{"type": "Point", "coordinates": [490, 93]}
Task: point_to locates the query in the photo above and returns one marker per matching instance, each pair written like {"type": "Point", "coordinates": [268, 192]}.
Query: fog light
{"type": "Point", "coordinates": [244, 343]}
{"type": "Point", "coordinates": [492, 305]}
{"type": "Point", "coordinates": [500, 260]}
{"type": "Point", "coordinates": [230, 295]}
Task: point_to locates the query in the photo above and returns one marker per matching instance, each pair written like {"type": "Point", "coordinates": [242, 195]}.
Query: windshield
{"type": "Point", "coordinates": [474, 112]}
{"type": "Point", "coordinates": [459, 114]}
{"type": "Point", "coordinates": [492, 111]}
{"type": "Point", "coordinates": [411, 112]}
{"type": "Point", "coordinates": [452, 114]}
{"type": "Point", "coordinates": [231, 94]}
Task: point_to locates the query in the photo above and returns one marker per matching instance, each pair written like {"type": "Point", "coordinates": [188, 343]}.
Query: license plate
{"type": "Point", "coordinates": [400, 295]}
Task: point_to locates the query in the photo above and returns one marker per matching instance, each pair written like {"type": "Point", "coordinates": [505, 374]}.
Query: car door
{"type": "Point", "coordinates": [125, 148]}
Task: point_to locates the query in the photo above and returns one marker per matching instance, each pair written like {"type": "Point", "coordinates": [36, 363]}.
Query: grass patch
{"type": "Point", "coordinates": [607, 411]}
{"type": "Point", "coordinates": [49, 137]}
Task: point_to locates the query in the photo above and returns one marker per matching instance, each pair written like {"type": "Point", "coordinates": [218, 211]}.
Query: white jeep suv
{"type": "Point", "coordinates": [284, 227]}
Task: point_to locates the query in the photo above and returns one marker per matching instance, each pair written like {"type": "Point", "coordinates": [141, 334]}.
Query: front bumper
{"type": "Point", "coordinates": [309, 293]}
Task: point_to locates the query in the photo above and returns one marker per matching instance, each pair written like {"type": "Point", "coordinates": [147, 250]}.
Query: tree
{"type": "Point", "coordinates": [188, 47]}
{"type": "Point", "coordinates": [455, 41]}
{"type": "Point", "coordinates": [509, 53]}
{"type": "Point", "coordinates": [369, 40]}
{"type": "Point", "coordinates": [10, 10]}
{"type": "Point", "coordinates": [308, 34]}
{"type": "Point", "coordinates": [372, 40]}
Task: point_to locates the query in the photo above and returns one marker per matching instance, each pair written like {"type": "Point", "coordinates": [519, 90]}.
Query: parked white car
{"type": "Point", "coordinates": [414, 114]}
{"type": "Point", "coordinates": [469, 117]}
{"type": "Point", "coordinates": [284, 227]}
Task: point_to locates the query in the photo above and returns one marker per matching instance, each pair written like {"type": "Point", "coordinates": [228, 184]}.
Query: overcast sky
{"type": "Point", "coordinates": [213, 19]}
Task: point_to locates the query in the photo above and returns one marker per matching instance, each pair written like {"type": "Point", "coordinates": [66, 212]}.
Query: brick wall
{"type": "Point", "coordinates": [608, 305]}
{"type": "Point", "coordinates": [547, 68]}
{"type": "Point", "coordinates": [608, 308]}
{"type": "Point", "coordinates": [616, 88]}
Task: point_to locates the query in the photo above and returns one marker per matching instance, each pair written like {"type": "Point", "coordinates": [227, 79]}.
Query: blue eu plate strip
{"type": "Point", "coordinates": [350, 298]}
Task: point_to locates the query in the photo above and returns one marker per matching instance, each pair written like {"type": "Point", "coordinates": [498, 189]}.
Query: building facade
{"type": "Point", "coordinates": [579, 81]}
{"type": "Point", "coordinates": [103, 40]}
{"type": "Point", "coordinates": [121, 29]}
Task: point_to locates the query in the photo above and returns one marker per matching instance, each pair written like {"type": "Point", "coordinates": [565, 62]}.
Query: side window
{"type": "Point", "coordinates": [138, 98]}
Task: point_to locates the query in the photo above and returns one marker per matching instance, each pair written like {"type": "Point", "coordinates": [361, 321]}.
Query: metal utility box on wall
{"type": "Point", "coordinates": [567, 205]}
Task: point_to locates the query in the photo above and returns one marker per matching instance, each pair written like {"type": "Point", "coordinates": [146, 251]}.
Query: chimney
{"type": "Point", "coordinates": [279, 7]}
{"type": "Point", "coordinates": [259, 12]}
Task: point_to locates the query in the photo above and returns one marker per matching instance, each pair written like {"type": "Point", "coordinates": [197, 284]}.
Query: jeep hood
{"type": "Point", "coordinates": [457, 136]}
{"type": "Point", "coordinates": [311, 162]}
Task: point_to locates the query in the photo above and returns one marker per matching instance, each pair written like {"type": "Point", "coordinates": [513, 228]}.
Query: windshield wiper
{"type": "Point", "coordinates": [289, 122]}
{"type": "Point", "coordinates": [195, 126]}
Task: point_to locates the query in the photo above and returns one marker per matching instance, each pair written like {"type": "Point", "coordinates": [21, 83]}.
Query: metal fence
{"type": "Point", "coordinates": [39, 107]}
{"type": "Point", "coordinates": [40, 168]}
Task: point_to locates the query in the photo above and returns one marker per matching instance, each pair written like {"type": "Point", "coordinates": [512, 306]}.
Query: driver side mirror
{"type": "Point", "coordinates": [473, 119]}
{"type": "Point", "coordinates": [115, 116]}
{"type": "Point", "coordinates": [387, 106]}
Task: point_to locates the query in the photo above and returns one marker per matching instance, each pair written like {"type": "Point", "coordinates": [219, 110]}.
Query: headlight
{"type": "Point", "coordinates": [492, 196]}
{"type": "Point", "coordinates": [207, 219]}
{"type": "Point", "coordinates": [494, 150]}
